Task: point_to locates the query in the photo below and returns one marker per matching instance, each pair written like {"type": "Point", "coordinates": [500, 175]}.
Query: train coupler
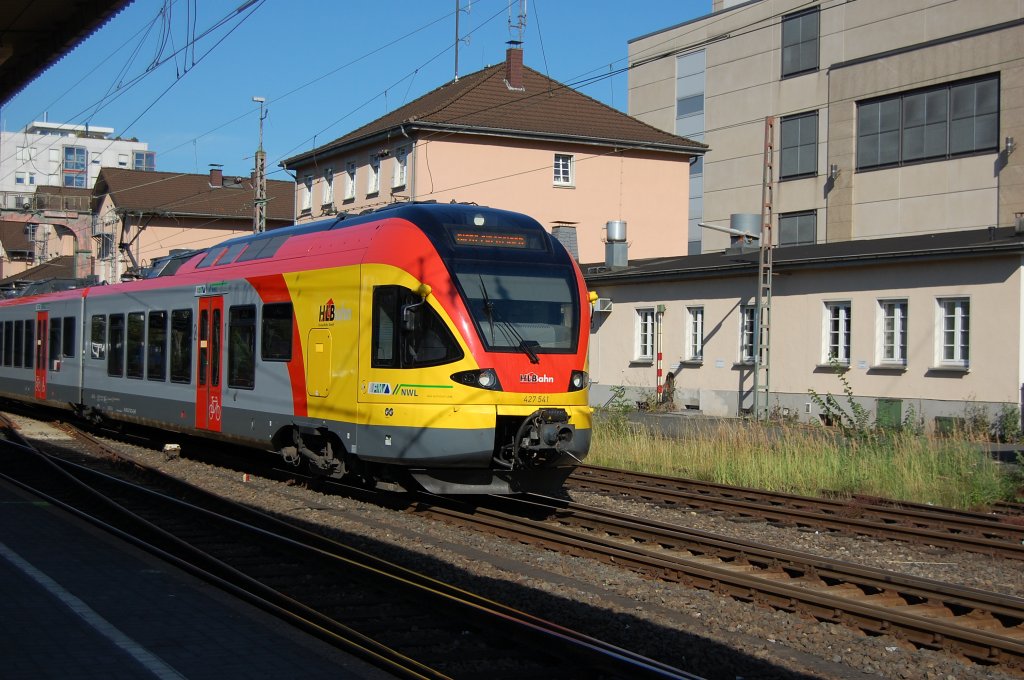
{"type": "Point", "coordinates": [543, 438]}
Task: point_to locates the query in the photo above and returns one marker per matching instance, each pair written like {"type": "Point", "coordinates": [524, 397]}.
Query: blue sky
{"type": "Point", "coordinates": [325, 67]}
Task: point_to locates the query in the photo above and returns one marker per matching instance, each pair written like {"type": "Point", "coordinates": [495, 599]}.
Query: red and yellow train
{"type": "Point", "coordinates": [440, 346]}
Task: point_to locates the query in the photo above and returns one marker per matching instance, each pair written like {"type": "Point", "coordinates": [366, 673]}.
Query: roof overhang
{"type": "Point", "coordinates": [731, 265]}
{"type": "Point", "coordinates": [412, 127]}
{"type": "Point", "coordinates": [42, 32]}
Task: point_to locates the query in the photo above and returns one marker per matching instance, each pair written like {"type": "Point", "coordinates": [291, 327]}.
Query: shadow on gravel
{"type": "Point", "coordinates": [684, 649]}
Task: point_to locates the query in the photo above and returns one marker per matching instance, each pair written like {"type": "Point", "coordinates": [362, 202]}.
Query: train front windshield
{"type": "Point", "coordinates": [515, 308]}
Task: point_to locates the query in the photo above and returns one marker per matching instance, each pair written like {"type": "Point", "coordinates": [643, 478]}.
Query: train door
{"type": "Point", "coordinates": [208, 367]}
{"type": "Point", "coordinates": [42, 334]}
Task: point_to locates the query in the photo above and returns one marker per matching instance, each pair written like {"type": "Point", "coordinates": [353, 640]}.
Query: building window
{"type": "Point", "coordinates": [307, 193]}
{"type": "Point", "coordinates": [694, 333]}
{"type": "Point", "coordinates": [31, 178]}
{"type": "Point", "coordinates": [798, 229]}
{"type": "Point", "coordinates": [644, 346]}
{"type": "Point", "coordinates": [21, 154]}
{"type": "Point", "coordinates": [893, 332]}
{"type": "Point", "coordinates": [328, 186]}
{"type": "Point", "coordinates": [837, 332]}
{"type": "Point", "coordinates": [401, 168]}
{"type": "Point", "coordinates": [800, 43]}
{"type": "Point", "coordinates": [350, 181]}
{"type": "Point", "coordinates": [799, 141]}
{"type": "Point", "coordinates": [564, 170]}
{"type": "Point", "coordinates": [75, 164]}
{"type": "Point", "coordinates": [122, 160]}
{"type": "Point", "coordinates": [19, 178]}
{"type": "Point", "coordinates": [373, 180]}
{"type": "Point", "coordinates": [955, 327]}
{"type": "Point", "coordinates": [748, 326]}
{"type": "Point", "coordinates": [144, 160]}
{"type": "Point", "coordinates": [933, 124]}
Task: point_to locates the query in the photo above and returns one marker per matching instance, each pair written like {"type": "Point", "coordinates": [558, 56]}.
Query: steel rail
{"type": "Point", "coordinates": [991, 538]}
{"type": "Point", "coordinates": [863, 613]}
{"type": "Point", "coordinates": [588, 652]}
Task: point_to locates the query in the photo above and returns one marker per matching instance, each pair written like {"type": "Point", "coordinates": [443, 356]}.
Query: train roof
{"type": "Point", "coordinates": [427, 215]}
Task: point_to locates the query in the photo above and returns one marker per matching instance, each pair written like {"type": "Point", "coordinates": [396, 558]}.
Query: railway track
{"type": "Point", "coordinates": [984, 627]}
{"type": "Point", "coordinates": [409, 624]}
{"type": "Point", "coordinates": [1000, 535]}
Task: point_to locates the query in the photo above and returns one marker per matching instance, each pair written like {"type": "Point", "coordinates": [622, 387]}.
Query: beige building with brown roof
{"type": "Point", "coordinates": [141, 216]}
{"type": "Point", "coordinates": [509, 137]}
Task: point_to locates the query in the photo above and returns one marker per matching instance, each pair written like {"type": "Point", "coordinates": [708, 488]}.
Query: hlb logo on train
{"type": "Point", "coordinates": [380, 388]}
{"type": "Point", "coordinates": [327, 311]}
{"type": "Point", "coordinates": [534, 378]}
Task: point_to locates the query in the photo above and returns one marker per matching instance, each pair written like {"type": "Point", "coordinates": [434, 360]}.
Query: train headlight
{"type": "Point", "coordinates": [577, 381]}
{"type": "Point", "coordinates": [485, 379]}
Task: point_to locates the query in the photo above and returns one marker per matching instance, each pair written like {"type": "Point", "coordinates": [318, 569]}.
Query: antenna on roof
{"type": "Point", "coordinates": [459, 10]}
{"type": "Point", "coordinates": [519, 25]}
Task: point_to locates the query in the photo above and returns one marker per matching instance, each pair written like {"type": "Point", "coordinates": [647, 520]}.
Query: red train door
{"type": "Point", "coordinates": [208, 367]}
{"type": "Point", "coordinates": [42, 336]}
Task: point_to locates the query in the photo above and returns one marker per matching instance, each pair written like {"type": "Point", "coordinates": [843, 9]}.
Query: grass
{"type": "Point", "coordinates": [810, 461]}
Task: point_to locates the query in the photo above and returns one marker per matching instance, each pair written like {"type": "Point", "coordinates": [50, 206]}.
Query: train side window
{"type": "Point", "coordinates": [30, 343]}
{"type": "Point", "coordinates": [181, 346]}
{"type": "Point", "coordinates": [156, 347]}
{"type": "Point", "coordinates": [8, 343]}
{"type": "Point", "coordinates": [115, 359]}
{"type": "Point", "coordinates": [68, 348]}
{"type": "Point", "coordinates": [242, 347]}
{"type": "Point", "coordinates": [19, 343]}
{"type": "Point", "coordinates": [136, 344]}
{"type": "Point", "coordinates": [56, 326]}
{"type": "Point", "coordinates": [385, 328]}
{"type": "Point", "coordinates": [276, 338]}
{"type": "Point", "coordinates": [98, 338]}
{"type": "Point", "coordinates": [408, 333]}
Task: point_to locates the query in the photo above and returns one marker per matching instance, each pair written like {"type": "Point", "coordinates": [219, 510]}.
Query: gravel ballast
{"type": "Point", "coordinates": [698, 631]}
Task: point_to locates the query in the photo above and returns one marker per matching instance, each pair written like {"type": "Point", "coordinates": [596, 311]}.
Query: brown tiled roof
{"type": "Point", "coordinates": [545, 109]}
{"type": "Point", "coordinates": [175, 193]}
{"type": "Point", "coordinates": [62, 267]}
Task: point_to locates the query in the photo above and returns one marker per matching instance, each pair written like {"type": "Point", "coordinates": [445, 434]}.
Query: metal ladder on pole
{"type": "Point", "coordinates": [763, 305]}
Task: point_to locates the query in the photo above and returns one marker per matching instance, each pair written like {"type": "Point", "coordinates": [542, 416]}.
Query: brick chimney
{"type": "Point", "coordinates": [514, 68]}
{"type": "Point", "coordinates": [216, 177]}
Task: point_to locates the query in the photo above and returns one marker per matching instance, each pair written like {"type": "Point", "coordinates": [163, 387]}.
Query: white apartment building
{"type": "Point", "coordinates": [61, 154]}
{"type": "Point", "coordinates": [893, 202]}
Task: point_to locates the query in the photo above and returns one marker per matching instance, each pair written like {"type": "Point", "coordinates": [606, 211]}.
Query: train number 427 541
{"type": "Point", "coordinates": [536, 399]}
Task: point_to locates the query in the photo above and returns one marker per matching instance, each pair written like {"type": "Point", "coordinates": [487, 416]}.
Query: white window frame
{"type": "Point", "coordinates": [892, 332]}
{"type": "Point", "coordinates": [695, 333]}
{"type": "Point", "coordinates": [401, 170]}
{"type": "Point", "coordinates": [20, 177]}
{"type": "Point", "coordinates": [31, 179]}
{"type": "Point", "coordinates": [643, 346]}
{"type": "Point", "coordinates": [953, 332]}
{"type": "Point", "coordinates": [564, 170]}
{"type": "Point", "coordinates": [748, 329]}
{"type": "Point", "coordinates": [350, 181]}
{"type": "Point", "coordinates": [837, 332]}
{"type": "Point", "coordinates": [307, 193]}
{"type": "Point", "coordinates": [21, 154]}
{"type": "Point", "coordinates": [373, 179]}
{"type": "Point", "coordinates": [122, 160]}
{"type": "Point", "coordinates": [328, 191]}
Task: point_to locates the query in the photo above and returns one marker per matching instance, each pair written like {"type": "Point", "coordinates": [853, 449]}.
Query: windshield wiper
{"type": "Point", "coordinates": [507, 327]}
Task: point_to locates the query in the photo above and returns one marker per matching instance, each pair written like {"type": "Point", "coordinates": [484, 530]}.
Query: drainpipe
{"type": "Point", "coordinates": [658, 316]}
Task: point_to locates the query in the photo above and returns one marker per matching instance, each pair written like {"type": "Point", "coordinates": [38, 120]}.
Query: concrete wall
{"type": "Point", "coordinates": [743, 86]}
